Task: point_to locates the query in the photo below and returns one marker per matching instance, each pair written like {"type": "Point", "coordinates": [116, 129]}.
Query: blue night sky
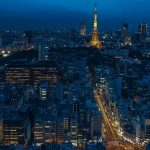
{"type": "Point", "coordinates": [51, 14]}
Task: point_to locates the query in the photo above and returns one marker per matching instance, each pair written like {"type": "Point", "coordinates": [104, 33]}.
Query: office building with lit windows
{"type": "Point", "coordinates": [147, 129]}
{"type": "Point", "coordinates": [39, 131]}
{"type": "Point", "coordinates": [83, 29]}
{"type": "Point", "coordinates": [31, 73]}
{"type": "Point", "coordinates": [43, 52]}
{"type": "Point", "coordinates": [15, 129]}
{"type": "Point", "coordinates": [43, 90]}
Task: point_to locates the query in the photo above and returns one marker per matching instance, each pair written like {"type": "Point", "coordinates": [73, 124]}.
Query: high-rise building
{"type": "Point", "coordinates": [17, 75]}
{"type": "Point", "coordinates": [125, 28]}
{"type": "Point", "coordinates": [43, 90]}
{"type": "Point", "coordinates": [147, 129]}
{"type": "Point", "coordinates": [143, 28]}
{"type": "Point", "coordinates": [96, 124]}
{"type": "Point", "coordinates": [82, 29]}
{"type": "Point", "coordinates": [28, 73]}
{"type": "Point", "coordinates": [95, 42]}
{"type": "Point", "coordinates": [66, 124]}
{"type": "Point", "coordinates": [75, 106]}
{"type": "Point", "coordinates": [43, 52]}
{"type": "Point", "coordinates": [14, 130]}
{"type": "Point", "coordinates": [50, 128]}
{"type": "Point", "coordinates": [128, 40]}
{"type": "Point", "coordinates": [39, 132]}
{"type": "Point", "coordinates": [138, 129]}
{"type": "Point", "coordinates": [74, 129]}
{"type": "Point", "coordinates": [60, 130]}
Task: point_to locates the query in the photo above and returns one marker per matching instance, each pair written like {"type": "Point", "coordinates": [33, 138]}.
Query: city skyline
{"type": "Point", "coordinates": [74, 75]}
{"type": "Point", "coordinates": [46, 14]}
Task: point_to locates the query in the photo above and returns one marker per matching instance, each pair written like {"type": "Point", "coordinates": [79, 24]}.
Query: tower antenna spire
{"type": "Point", "coordinates": [95, 42]}
{"type": "Point", "coordinates": [95, 7]}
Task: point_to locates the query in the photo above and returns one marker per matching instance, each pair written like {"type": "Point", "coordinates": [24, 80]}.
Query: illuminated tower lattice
{"type": "Point", "coordinates": [95, 42]}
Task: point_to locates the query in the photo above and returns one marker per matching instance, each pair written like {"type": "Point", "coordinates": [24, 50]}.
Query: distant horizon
{"type": "Point", "coordinates": [45, 14]}
{"type": "Point", "coordinates": [132, 28]}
